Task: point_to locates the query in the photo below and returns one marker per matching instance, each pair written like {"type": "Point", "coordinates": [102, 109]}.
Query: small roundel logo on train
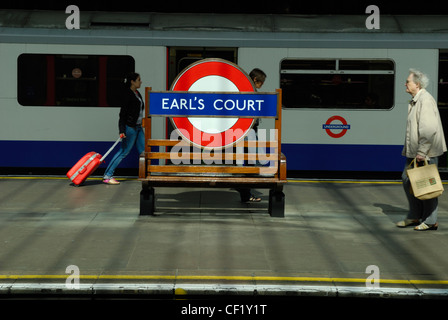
{"type": "Point", "coordinates": [336, 126]}
{"type": "Point", "coordinates": [213, 75]}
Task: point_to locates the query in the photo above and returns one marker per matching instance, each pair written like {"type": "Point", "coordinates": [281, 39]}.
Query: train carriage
{"type": "Point", "coordinates": [344, 100]}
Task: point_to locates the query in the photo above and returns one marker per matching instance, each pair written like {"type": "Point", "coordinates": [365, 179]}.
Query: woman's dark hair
{"type": "Point", "coordinates": [132, 76]}
{"type": "Point", "coordinates": [257, 73]}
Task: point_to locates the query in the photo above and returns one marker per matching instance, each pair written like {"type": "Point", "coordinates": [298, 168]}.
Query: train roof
{"type": "Point", "coordinates": [206, 29]}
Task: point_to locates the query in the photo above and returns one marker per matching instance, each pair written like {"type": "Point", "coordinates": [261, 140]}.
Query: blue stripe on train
{"type": "Point", "coordinates": [340, 157]}
{"type": "Point", "coordinates": [326, 157]}
{"type": "Point", "coordinates": [57, 154]}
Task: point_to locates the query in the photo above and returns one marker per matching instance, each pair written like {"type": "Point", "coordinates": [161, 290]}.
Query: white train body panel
{"type": "Point", "coordinates": [57, 136]}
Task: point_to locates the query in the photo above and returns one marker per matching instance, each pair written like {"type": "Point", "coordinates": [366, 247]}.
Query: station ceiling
{"type": "Point", "coordinates": [334, 7]}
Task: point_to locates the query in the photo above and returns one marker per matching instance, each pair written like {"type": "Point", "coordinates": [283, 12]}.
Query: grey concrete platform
{"type": "Point", "coordinates": [205, 242]}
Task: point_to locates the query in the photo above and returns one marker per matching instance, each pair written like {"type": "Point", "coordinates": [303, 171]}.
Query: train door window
{"type": "Point", "coordinates": [442, 101]}
{"type": "Point", "coordinates": [71, 80]}
{"type": "Point", "coordinates": [443, 80]}
{"type": "Point", "coordinates": [337, 83]}
{"type": "Point", "coordinates": [182, 57]}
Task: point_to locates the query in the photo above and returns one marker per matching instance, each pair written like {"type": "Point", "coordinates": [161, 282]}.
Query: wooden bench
{"type": "Point", "coordinates": [156, 169]}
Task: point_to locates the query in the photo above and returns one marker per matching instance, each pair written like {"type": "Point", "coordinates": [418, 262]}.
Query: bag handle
{"type": "Point", "coordinates": [414, 161]}
{"type": "Point", "coordinates": [109, 151]}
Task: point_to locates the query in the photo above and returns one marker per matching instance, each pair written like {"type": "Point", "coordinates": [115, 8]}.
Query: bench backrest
{"type": "Point", "coordinates": [181, 155]}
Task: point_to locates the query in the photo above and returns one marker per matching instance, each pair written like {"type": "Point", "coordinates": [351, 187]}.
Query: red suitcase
{"type": "Point", "coordinates": [87, 165]}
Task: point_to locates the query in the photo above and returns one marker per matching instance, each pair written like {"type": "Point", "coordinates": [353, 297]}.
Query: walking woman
{"type": "Point", "coordinates": [129, 124]}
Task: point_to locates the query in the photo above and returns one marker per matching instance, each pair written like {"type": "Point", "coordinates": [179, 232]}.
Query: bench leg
{"type": "Point", "coordinates": [276, 203]}
{"type": "Point", "coordinates": [147, 200]}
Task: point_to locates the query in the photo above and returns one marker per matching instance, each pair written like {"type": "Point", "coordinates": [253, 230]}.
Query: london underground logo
{"type": "Point", "coordinates": [213, 75]}
{"type": "Point", "coordinates": [337, 123]}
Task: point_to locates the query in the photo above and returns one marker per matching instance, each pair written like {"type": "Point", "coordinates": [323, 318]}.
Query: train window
{"type": "Point", "coordinates": [443, 80]}
{"type": "Point", "coordinates": [71, 80]}
{"type": "Point", "coordinates": [309, 65]}
{"type": "Point", "coordinates": [337, 83]}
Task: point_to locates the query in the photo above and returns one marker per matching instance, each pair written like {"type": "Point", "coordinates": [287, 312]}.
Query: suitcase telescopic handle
{"type": "Point", "coordinates": [110, 150]}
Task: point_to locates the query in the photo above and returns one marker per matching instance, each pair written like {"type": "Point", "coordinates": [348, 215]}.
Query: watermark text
{"type": "Point", "coordinates": [72, 281]}
{"type": "Point", "coordinates": [73, 20]}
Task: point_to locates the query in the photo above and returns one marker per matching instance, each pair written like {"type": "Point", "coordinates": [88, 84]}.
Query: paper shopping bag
{"type": "Point", "coordinates": [425, 180]}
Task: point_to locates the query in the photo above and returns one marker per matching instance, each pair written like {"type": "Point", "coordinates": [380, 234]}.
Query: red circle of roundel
{"type": "Point", "coordinates": [336, 135]}
{"type": "Point", "coordinates": [201, 69]}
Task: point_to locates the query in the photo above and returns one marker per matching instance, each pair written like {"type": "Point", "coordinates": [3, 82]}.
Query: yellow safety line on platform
{"type": "Point", "coordinates": [136, 179]}
{"type": "Point", "coordinates": [345, 181]}
{"type": "Point", "coordinates": [54, 178]}
{"type": "Point", "coordinates": [289, 180]}
{"type": "Point", "coordinates": [227, 278]}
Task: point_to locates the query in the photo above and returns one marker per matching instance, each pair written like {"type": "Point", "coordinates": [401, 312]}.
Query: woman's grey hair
{"type": "Point", "coordinates": [419, 78]}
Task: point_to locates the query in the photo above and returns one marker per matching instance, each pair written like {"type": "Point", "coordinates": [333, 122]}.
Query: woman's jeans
{"type": "Point", "coordinates": [424, 210]}
{"type": "Point", "coordinates": [134, 136]}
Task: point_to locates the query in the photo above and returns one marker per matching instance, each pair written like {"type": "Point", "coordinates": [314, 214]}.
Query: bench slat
{"type": "Point", "coordinates": [183, 143]}
{"type": "Point", "coordinates": [205, 168]}
{"type": "Point", "coordinates": [212, 157]}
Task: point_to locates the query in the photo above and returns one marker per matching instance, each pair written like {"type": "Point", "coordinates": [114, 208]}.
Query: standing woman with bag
{"type": "Point", "coordinates": [129, 124]}
{"type": "Point", "coordinates": [424, 140]}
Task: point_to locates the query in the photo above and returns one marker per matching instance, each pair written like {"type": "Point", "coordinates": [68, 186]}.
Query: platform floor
{"type": "Point", "coordinates": [205, 242]}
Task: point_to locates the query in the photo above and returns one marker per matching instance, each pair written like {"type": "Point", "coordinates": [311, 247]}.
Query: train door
{"type": "Point", "coordinates": [442, 100]}
{"type": "Point", "coordinates": [181, 57]}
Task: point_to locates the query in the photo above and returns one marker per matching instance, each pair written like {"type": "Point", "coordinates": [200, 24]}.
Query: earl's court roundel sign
{"type": "Point", "coordinates": [213, 75]}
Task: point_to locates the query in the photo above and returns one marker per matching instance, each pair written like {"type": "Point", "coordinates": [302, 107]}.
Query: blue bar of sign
{"type": "Point", "coordinates": [336, 126]}
{"type": "Point", "coordinates": [223, 104]}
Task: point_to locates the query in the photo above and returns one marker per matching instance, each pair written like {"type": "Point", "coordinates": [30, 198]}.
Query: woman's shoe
{"type": "Point", "coordinates": [111, 181]}
{"type": "Point", "coordinates": [254, 199]}
{"type": "Point", "coordinates": [251, 199]}
{"type": "Point", "coordinates": [407, 222]}
{"type": "Point", "coordinates": [425, 227]}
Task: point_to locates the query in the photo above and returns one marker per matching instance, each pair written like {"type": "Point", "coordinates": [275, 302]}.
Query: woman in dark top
{"type": "Point", "coordinates": [129, 124]}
